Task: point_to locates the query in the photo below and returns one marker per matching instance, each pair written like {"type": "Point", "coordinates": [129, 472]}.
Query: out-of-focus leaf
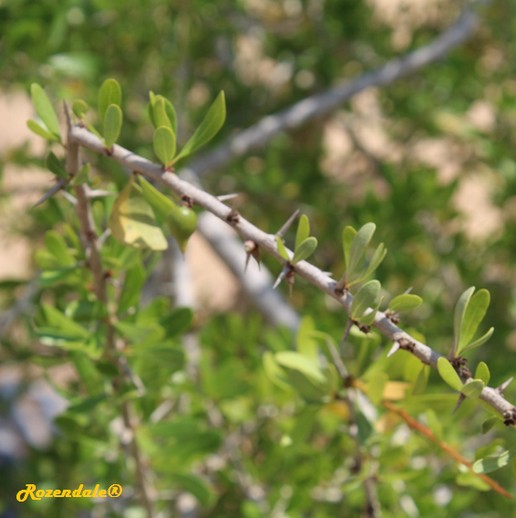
{"type": "Point", "coordinates": [489, 464]}
{"type": "Point", "coordinates": [473, 388]}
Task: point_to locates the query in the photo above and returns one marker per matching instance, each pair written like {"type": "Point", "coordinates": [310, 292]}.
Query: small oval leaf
{"type": "Point", "coordinates": [365, 298]}
{"type": "Point", "coordinates": [112, 124]}
{"type": "Point", "coordinates": [109, 93]}
{"type": "Point", "coordinates": [39, 130]}
{"type": "Point", "coordinates": [164, 142]}
{"type": "Point", "coordinates": [448, 374]}
{"type": "Point", "coordinates": [482, 372]}
{"type": "Point", "coordinates": [305, 250]}
{"type": "Point", "coordinates": [473, 388]}
{"type": "Point", "coordinates": [405, 302]}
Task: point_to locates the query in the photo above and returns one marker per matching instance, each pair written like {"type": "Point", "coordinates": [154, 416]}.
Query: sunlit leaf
{"type": "Point", "coordinates": [303, 230]}
{"type": "Point", "coordinates": [164, 142]}
{"type": "Point", "coordinates": [39, 130]}
{"type": "Point", "coordinates": [482, 372]}
{"type": "Point", "coordinates": [448, 374]}
{"type": "Point", "coordinates": [79, 108]}
{"type": "Point", "coordinates": [209, 127]}
{"type": "Point", "coordinates": [479, 341]}
{"type": "Point", "coordinates": [109, 93]}
{"type": "Point", "coordinates": [297, 361]}
{"type": "Point", "coordinates": [132, 221]}
{"type": "Point", "coordinates": [405, 302]}
{"type": "Point", "coordinates": [112, 124]}
{"type": "Point", "coordinates": [281, 248]}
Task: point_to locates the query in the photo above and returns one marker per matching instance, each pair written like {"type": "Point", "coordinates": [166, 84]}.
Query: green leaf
{"type": "Point", "coordinates": [359, 246]}
{"type": "Point", "coordinates": [132, 220]}
{"type": "Point", "coordinates": [208, 128]}
{"type": "Point", "coordinates": [365, 298]}
{"type": "Point", "coordinates": [448, 374]}
{"type": "Point", "coordinates": [194, 485]}
{"type": "Point", "coordinates": [300, 363]}
{"type": "Point", "coordinates": [458, 317]}
{"type": "Point", "coordinates": [473, 312]}
{"type": "Point", "coordinates": [56, 166]}
{"type": "Point", "coordinates": [45, 111]}
{"type": "Point", "coordinates": [479, 341]}
{"type": "Point", "coordinates": [57, 246]}
{"type": "Point", "coordinates": [303, 230]}
{"type": "Point", "coordinates": [273, 371]}
{"type": "Point", "coordinates": [40, 131]}
{"type": "Point", "coordinates": [162, 112]}
{"type": "Point", "coordinates": [482, 372]}
{"type": "Point", "coordinates": [109, 93]}
{"type": "Point", "coordinates": [378, 257]}
{"type": "Point", "coordinates": [112, 124]}
{"type": "Point", "coordinates": [305, 250]}
{"type": "Point", "coordinates": [178, 322]}
{"type": "Point", "coordinates": [348, 235]}
{"type": "Point", "coordinates": [405, 302]}
{"type": "Point", "coordinates": [281, 248]}
{"type": "Point", "coordinates": [161, 204]}
{"type": "Point", "coordinates": [79, 108]}
{"type": "Point", "coordinates": [164, 142]}
{"type": "Point", "coordinates": [66, 328]}
{"type": "Point", "coordinates": [472, 388]}
{"type": "Point", "coordinates": [492, 463]}
{"type": "Point", "coordinates": [134, 281]}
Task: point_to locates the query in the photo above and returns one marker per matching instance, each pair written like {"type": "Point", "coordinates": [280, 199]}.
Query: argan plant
{"type": "Point", "coordinates": [351, 404]}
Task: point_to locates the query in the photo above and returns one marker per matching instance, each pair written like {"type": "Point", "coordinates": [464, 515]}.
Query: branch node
{"type": "Point", "coordinates": [233, 217]}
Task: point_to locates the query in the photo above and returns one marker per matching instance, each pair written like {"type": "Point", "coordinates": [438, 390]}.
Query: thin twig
{"type": "Point", "coordinates": [454, 454]}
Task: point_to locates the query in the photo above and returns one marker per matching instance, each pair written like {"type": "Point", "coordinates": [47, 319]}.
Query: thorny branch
{"type": "Point", "coordinates": [267, 242]}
